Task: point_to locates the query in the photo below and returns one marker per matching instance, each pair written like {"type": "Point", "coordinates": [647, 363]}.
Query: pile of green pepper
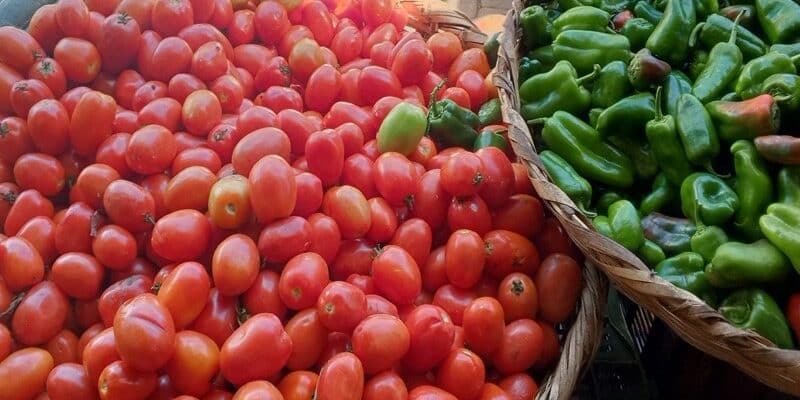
{"type": "Point", "coordinates": [671, 124]}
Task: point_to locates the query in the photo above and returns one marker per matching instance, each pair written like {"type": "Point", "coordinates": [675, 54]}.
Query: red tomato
{"type": "Point", "coordinates": [522, 214]}
{"type": "Point", "coordinates": [119, 292]}
{"type": "Point", "coordinates": [21, 266]}
{"type": "Point", "coordinates": [284, 238]}
{"type": "Point", "coordinates": [257, 349]}
{"type": "Point", "coordinates": [209, 61]}
{"type": "Point", "coordinates": [7, 78]}
{"type": "Point", "coordinates": [230, 91]}
{"type": "Point", "coordinates": [70, 381]}
{"type": "Point", "coordinates": [302, 280]}
{"type": "Point", "coordinates": [434, 273]}
{"type": "Point", "coordinates": [454, 301]}
{"type": "Point", "coordinates": [431, 202]}
{"type": "Point", "coordinates": [120, 42]}
{"type": "Point", "coordinates": [182, 85]}
{"type": "Point", "coordinates": [519, 386]}
{"type": "Point", "coordinates": [474, 59]}
{"type": "Point", "coordinates": [520, 347]}
{"type": "Point", "coordinates": [349, 208]}
{"type": "Point", "coordinates": [341, 306]}
{"type": "Point", "coordinates": [181, 235]}
{"type": "Point", "coordinates": [44, 28]}
{"type": "Point", "coordinates": [469, 213]}
{"type": "Point", "coordinates": [195, 157]}
{"type": "Point", "coordinates": [272, 178]}
{"type": "Point", "coordinates": [256, 145]}
{"type": "Point", "coordinates": [279, 98]}
{"type": "Point", "coordinates": [198, 34]}
{"type": "Point", "coordinates": [114, 247]}
{"type": "Point", "coordinates": [15, 140]}
{"type": "Point", "coordinates": [255, 390]}
{"type": "Point", "coordinates": [432, 333]}
{"type": "Point", "coordinates": [78, 275]}
{"type": "Point", "coordinates": [413, 62]}
{"type": "Point", "coordinates": [21, 50]}
{"type": "Point", "coordinates": [309, 194]}
{"type": "Point", "coordinates": [297, 127]}
{"type": "Point", "coordinates": [263, 295]}
{"type": "Point", "coordinates": [427, 392]}
{"type": "Point", "coordinates": [305, 57]}
{"type": "Point", "coordinates": [40, 315]}
{"type": "Point", "coordinates": [510, 252]}
{"type": "Point", "coordinates": [79, 58]}
{"type": "Point", "coordinates": [357, 172]}
{"type": "Point", "coordinates": [341, 378]}
{"type": "Point", "coordinates": [92, 122]}
{"type": "Point", "coordinates": [23, 374]}
{"type": "Point", "coordinates": [347, 44]}
{"type": "Point", "coordinates": [483, 323]}
{"type": "Point", "coordinates": [156, 185]}
{"type": "Point", "coordinates": [276, 72]}
{"type": "Point", "coordinates": [235, 265]}
{"type": "Point", "coordinates": [120, 378]}
{"type": "Point", "coordinates": [271, 22]}
{"type": "Point", "coordinates": [462, 373]}
{"type": "Point", "coordinates": [170, 16]}
{"type": "Point", "coordinates": [498, 177]}
{"type": "Point", "coordinates": [298, 385]}
{"type": "Point", "coordinates": [222, 139]}
{"type": "Point", "coordinates": [242, 29]}
{"type": "Point", "coordinates": [195, 363]}
{"type": "Point", "coordinates": [473, 83]}
{"type": "Point", "coordinates": [463, 174]}
{"type": "Point", "coordinates": [41, 172]}
{"type": "Point", "coordinates": [218, 318]}
{"type": "Point", "coordinates": [322, 89]}
{"type": "Point", "coordinates": [445, 47]}
{"type": "Point", "coordinates": [325, 156]}
{"type": "Point", "coordinates": [254, 118]}
{"type": "Point", "coordinates": [385, 386]}
{"type": "Point", "coordinates": [183, 292]}
{"type": "Point", "coordinates": [63, 347]}
{"type": "Point", "coordinates": [40, 232]}
{"type": "Point", "coordinates": [380, 341]}
{"type": "Point", "coordinates": [144, 333]}
{"type": "Point", "coordinates": [164, 111]}
{"type": "Point", "coordinates": [201, 112]}
{"type": "Point", "coordinates": [395, 178]}
{"type": "Point", "coordinates": [551, 346]}
{"type": "Point", "coordinates": [309, 338]}
{"type": "Point", "coordinates": [349, 91]}
{"type": "Point", "coordinates": [147, 93]}
{"type": "Point", "coordinates": [558, 280]}
{"type": "Point", "coordinates": [223, 13]}
{"type": "Point", "coordinates": [50, 72]}
{"type": "Point", "coordinates": [318, 19]}
{"type": "Point", "coordinates": [293, 35]}
{"type": "Point", "coordinates": [377, 82]}
{"type": "Point", "coordinates": [24, 94]}
{"type": "Point", "coordinates": [150, 150]}
{"type": "Point", "coordinates": [465, 255]}
{"type": "Point", "coordinates": [383, 220]}
{"type": "Point", "coordinates": [28, 204]}
{"type": "Point", "coordinates": [325, 236]}
{"type": "Point", "coordinates": [457, 95]}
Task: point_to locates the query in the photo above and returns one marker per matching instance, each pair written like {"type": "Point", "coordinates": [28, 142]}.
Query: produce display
{"type": "Point", "coordinates": [215, 199]}
{"type": "Point", "coordinates": [671, 124]}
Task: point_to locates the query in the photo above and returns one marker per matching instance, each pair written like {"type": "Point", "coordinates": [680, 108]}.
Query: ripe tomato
{"type": "Point", "coordinates": [558, 280]}
{"type": "Point", "coordinates": [343, 112]}
{"type": "Point", "coordinates": [309, 338]}
{"type": "Point", "coordinates": [183, 292]}
{"type": "Point", "coordinates": [412, 62]}
{"type": "Point", "coordinates": [255, 390]}
{"type": "Point", "coordinates": [271, 21]}
{"type": "Point", "coordinates": [40, 315]}
{"type": "Point", "coordinates": [209, 61]}
{"type": "Point", "coordinates": [325, 236]}
{"type": "Point", "coordinates": [341, 306]}
{"type": "Point", "coordinates": [427, 392]}
{"type": "Point", "coordinates": [194, 364]}
{"type": "Point", "coordinates": [218, 318]}
{"type": "Point", "coordinates": [349, 208]}
{"type": "Point", "coordinates": [148, 93]}
{"type": "Point", "coordinates": [430, 200]}
{"type": "Point", "coordinates": [254, 118]}
{"type": "Point", "coordinates": [415, 237]}
{"type": "Point", "coordinates": [44, 28]}
{"type": "Point", "coordinates": [21, 266]}
{"type": "Point", "coordinates": [78, 275]}
{"type": "Point", "coordinates": [72, 17]}
{"type": "Point", "coordinates": [462, 373]}
{"type": "Point", "coordinates": [445, 47]}
{"type": "Point", "coordinates": [284, 238]}
{"type": "Point", "coordinates": [235, 265]}
{"type": "Point", "coordinates": [92, 122]}
{"type": "Point", "coordinates": [129, 205]}
{"type": "Point", "coordinates": [325, 155]}
{"type": "Point", "coordinates": [298, 385]}
{"type": "Point", "coordinates": [510, 252]}
{"type": "Point", "coordinates": [385, 386]}
{"type": "Point", "coordinates": [229, 202]}
{"type": "Point", "coordinates": [257, 349]}
{"type": "Point", "coordinates": [201, 112]}
{"type": "Point", "coordinates": [41, 172]}
{"type": "Point", "coordinates": [377, 82]}
{"type": "Point", "coordinates": [318, 19]}
{"type": "Point", "coordinates": [473, 83]}
{"type": "Point", "coordinates": [63, 347]}
{"type": "Point", "coordinates": [357, 172]}
{"type": "Point", "coordinates": [156, 185]}
{"type": "Point", "coordinates": [91, 184]}
{"type": "Point", "coordinates": [25, 93]}
{"type": "Point", "coordinates": [189, 189]}
{"type": "Point", "coordinates": [144, 333]}
{"type": "Point", "coordinates": [395, 178]}
{"type": "Point", "coordinates": [120, 378]}
{"type": "Point", "coordinates": [519, 386]}
{"type": "Point", "coordinates": [551, 347]}
{"type": "Point", "coordinates": [469, 213]}
{"type": "Point", "coordinates": [522, 214]}
{"type": "Point", "coordinates": [21, 49]}
{"type": "Point", "coordinates": [322, 89]}
{"type": "Point", "coordinates": [380, 341]}
{"type": "Point", "coordinates": [519, 297]}
{"type": "Point", "coordinates": [490, 391]}
{"type": "Point", "coordinates": [195, 156]}
{"type": "Point", "coordinates": [8, 77]}
{"type": "Point", "coordinates": [483, 323]}
{"type": "Point", "coordinates": [79, 58]}
{"type": "Point", "coordinates": [230, 91]}
{"type": "Point", "coordinates": [49, 71]}
{"type": "Point", "coordinates": [341, 378]}
{"type": "Point", "coordinates": [40, 232]}
{"type": "Point", "coordinates": [396, 275]}
{"type": "Point", "coordinates": [304, 58]}
{"type": "Point", "coordinates": [70, 381]}
{"type": "Point", "coordinates": [454, 301]}
{"type": "Point", "coordinates": [520, 347]}
{"type": "Point", "coordinates": [272, 178]}
{"type": "Point", "coordinates": [48, 128]}
{"type": "Point", "coordinates": [119, 292]}
{"type": "Point", "coordinates": [120, 42]}
{"type": "Point", "coordinates": [434, 272]}
{"type": "Point", "coordinates": [27, 205]}
{"type": "Point", "coordinates": [470, 59]}
{"type": "Point", "coordinates": [181, 235]}
{"type": "Point", "coordinates": [23, 374]}
{"type": "Point", "coordinates": [458, 96]}
{"type": "Point", "coordinates": [498, 177]}
{"type": "Point", "coordinates": [302, 280]}
{"type": "Point", "coordinates": [256, 145]}
{"type": "Point", "coordinates": [170, 16]}
{"type": "Point", "coordinates": [150, 150]}
{"type": "Point", "coordinates": [242, 29]}
{"type": "Point", "coordinates": [465, 255]}
{"type": "Point", "coordinates": [100, 351]}
{"type": "Point", "coordinates": [347, 44]}
{"type": "Point", "coordinates": [164, 111]}
{"type": "Point", "coordinates": [432, 333]}
{"type": "Point", "coordinates": [309, 194]}
{"type": "Point", "coordinates": [383, 220]}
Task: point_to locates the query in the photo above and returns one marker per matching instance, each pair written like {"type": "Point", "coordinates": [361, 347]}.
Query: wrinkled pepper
{"type": "Point", "coordinates": [640, 152]}
{"type": "Point", "coordinates": [648, 12]}
{"type": "Point", "coordinates": [568, 180]}
{"type": "Point", "coordinates": [583, 18]}
{"type": "Point", "coordinates": [585, 49]}
{"type": "Point", "coordinates": [718, 29]}
{"type": "Point", "coordinates": [452, 124]}
{"type": "Point", "coordinates": [537, 30]}
{"type": "Point", "coordinates": [529, 67]}
{"type": "Point", "coordinates": [724, 64]}
{"type": "Point", "coordinates": [737, 265]}
{"type": "Point", "coordinates": [558, 89]}
{"type": "Point", "coordinates": [627, 117]}
{"type": "Point", "coordinates": [672, 234]}
{"type": "Point", "coordinates": [650, 253]}
{"type": "Point", "coordinates": [755, 309]}
{"type": "Point", "coordinates": [781, 226]}
{"type": "Point", "coordinates": [670, 39]}
{"type": "Point", "coordinates": [707, 199]}
{"type": "Point", "coordinates": [637, 30]}
{"type": "Point", "coordinates": [786, 90]}
{"type": "Point", "coordinates": [687, 271]}
{"type": "Point", "coordinates": [780, 149]}
{"type": "Point", "coordinates": [489, 113]}
{"type": "Point", "coordinates": [663, 193]}
{"type": "Point", "coordinates": [611, 86]}
{"type": "Point", "coordinates": [697, 64]}
{"type": "Point", "coordinates": [662, 135]}
{"type": "Point", "coordinates": [790, 50]}
{"type": "Point", "coordinates": [749, 18]}
{"type": "Point", "coordinates": [585, 150]}
{"type": "Point", "coordinates": [758, 69]}
{"type": "Point", "coordinates": [707, 240]}
{"type": "Point", "coordinates": [488, 138]}
{"type": "Point", "coordinates": [753, 186]}
{"type": "Point", "coordinates": [626, 227]}
{"type": "Point", "coordinates": [697, 132]}
{"type": "Point", "coordinates": [646, 71]}
{"type": "Point", "coordinates": [789, 186]}
{"type": "Point", "coordinates": [676, 84]}
{"type": "Point", "coordinates": [746, 119]}
{"type": "Point", "coordinates": [780, 20]}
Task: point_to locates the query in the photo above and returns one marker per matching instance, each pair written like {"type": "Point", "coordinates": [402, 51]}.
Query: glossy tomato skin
{"type": "Point", "coordinates": [395, 178]}
{"type": "Point", "coordinates": [465, 255]}
{"type": "Point", "coordinates": [302, 280]}
{"type": "Point", "coordinates": [325, 155]}
{"type": "Point", "coordinates": [144, 333]}
{"type": "Point", "coordinates": [218, 318]}
{"type": "Point", "coordinates": [522, 214]}
{"type": "Point", "coordinates": [272, 178]}
{"type": "Point", "coordinates": [91, 122]}
{"type": "Point", "coordinates": [510, 252]}
{"type": "Point", "coordinates": [469, 213]}
{"type": "Point", "coordinates": [284, 238]}
{"type": "Point", "coordinates": [462, 373]}
{"type": "Point", "coordinates": [119, 380]}
{"type": "Point", "coordinates": [201, 112]}
{"type": "Point", "coordinates": [21, 266]}
{"type": "Point", "coordinates": [396, 275]}
{"type": "Point", "coordinates": [325, 236]}
{"type": "Point", "coordinates": [432, 334]}
{"type": "Point", "coordinates": [183, 291]}
{"type": "Point", "coordinates": [454, 301]}
{"type": "Point", "coordinates": [80, 59]}
{"type": "Point", "coordinates": [181, 235]}
{"type": "Point", "coordinates": [119, 292]}
{"type": "Point", "coordinates": [257, 349]}
{"type": "Point", "coordinates": [341, 378]}
{"type": "Point", "coordinates": [309, 194]}
{"type": "Point", "coordinates": [41, 172]}
{"type": "Point", "coordinates": [341, 306]}
{"type": "Point", "coordinates": [195, 363]}
{"type": "Point", "coordinates": [8, 76]}
{"type": "Point", "coordinates": [120, 42]}
{"type": "Point", "coordinates": [380, 341]}
{"type": "Point", "coordinates": [40, 232]}
{"type": "Point", "coordinates": [309, 338]}
{"type": "Point", "coordinates": [257, 144]}
{"type": "Point", "coordinates": [357, 172]}
{"type": "Point", "coordinates": [78, 275]}
{"type": "Point", "coordinates": [229, 202]}
{"type": "Point", "coordinates": [235, 265]}
{"type": "Point", "coordinates": [24, 373]}
{"type": "Point", "coordinates": [350, 209]}
{"type": "Point", "coordinates": [484, 323]}
{"type": "Point", "coordinates": [263, 296]}
{"type": "Point", "coordinates": [47, 127]}
{"type": "Point", "coordinates": [520, 347]}
{"type": "Point", "coordinates": [519, 386]}
{"type": "Point", "coordinates": [41, 314]}
{"type": "Point", "coordinates": [24, 94]}
{"type": "Point", "coordinates": [298, 385]}
{"type": "Point", "coordinates": [70, 381]}
{"type": "Point", "coordinates": [558, 282]}
{"type": "Point", "coordinates": [427, 392]}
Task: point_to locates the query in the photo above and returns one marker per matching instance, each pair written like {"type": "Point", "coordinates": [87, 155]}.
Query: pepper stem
{"type": "Point", "coordinates": [537, 121]}
{"type": "Point", "coordinates": [794, 58]}
{"type": "Point", "coordinates": [659, 113]}
{"type": "Point", "coordinates": [432, 105]}
{"type": "Point", "coordinates": [590, 76]}
{"type": "Point", "coordinates": [695, 33]}
{"type": "Point", "coordinates": [735, 29]}
{"type": "Point", "coordinates": [782, 98]}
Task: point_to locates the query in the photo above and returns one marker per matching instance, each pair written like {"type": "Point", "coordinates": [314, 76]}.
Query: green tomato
{"type": "Point", "coordinates": [402, 129]}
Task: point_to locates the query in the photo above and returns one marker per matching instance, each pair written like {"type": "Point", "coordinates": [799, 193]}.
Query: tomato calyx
{"type": "Point", "coordinates": [409, 202]}
{"type": "Point", "coordinates": [155, 288]}
{"type": "Point", "coordinates": [12, 306]}
{"type": "Point", "coordinates": [4, 129]}
{"type": "Point", "coordinates": [148, 218]}
{"type": "Point", "coordinates": [489, 247]}
{"type": "Point", "coordinates": [9, 197]}
{"type": "Point", "coordinates": [377, 250]}
{"type": "Point", "coordinates": [46, 68]}
{"type": "Point", "coordinates": [21, 87]}
{"type": "Point", "coordinates": [517, 287]}
{"type": "Point", "coordinates": [123, 18]}
{"type": "Point", "coordinates": [242, 315]}
{"type": "Point", "coordinates": [94, 220]}
{"type": "Point", "coordinates": [37, 55]}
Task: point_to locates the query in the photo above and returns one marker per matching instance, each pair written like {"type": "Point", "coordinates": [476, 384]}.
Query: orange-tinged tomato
{"type": "Point", "coordinates": [309, 338]}
{"type": "Point", "coordinates": [341, 378]}
{"type": "Point", "coordinates": [258, 390]}
{"type": "Point", "coordinates": [349, 208]}
{"type": "Point", "coordinates": [258, 349]}
{"type": "Point", "coordinates": [144, 333]}
{"type": "Point", "coordinates": [23, 374]}
{"type": "Point", "coordinates": [183, 292]}
{"type": "Point", "coordinates": [298, 385]}
{"type": "Point", "coordinates": [194, 364]}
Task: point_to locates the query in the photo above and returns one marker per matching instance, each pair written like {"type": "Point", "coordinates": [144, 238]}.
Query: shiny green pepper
{"type": "Point", "coordinates": [687, 271]}
{"type": "Point", "coordinates": [781, 226]}
{"type": "Point", "coordinates": [568, 180]}
{"type": "Point", "coordinates": [662, 194]}
{"type": "Point", "coordinates": [789, 185]}
{"type": "Point", "coordinates": [582, 18]}
{"type": "Point", "coordinates": [558, 89]}
{"type": "Point", "coordinates": [489, 113]}
{"type": "Point", "coordinates": [707, 240]}
{"type": "Point", "coordinates": [753, 186]}
{"type": "Point", "coordinates": [672, 234]}
{"type": "Point", "coordinates": [707, 199]}
{"type": "Point", "coordinates": [612, 85]}
{"type": "Point", "coordinates": [758, 69]}
{"type": "Point", "coordinates": [626, 227]}
{"type": "Point", "coordinates": [650, 253]}
{"type": "Point", "coordinates": [637, 30]}
{"type": "Point", "coordinates": [585, 49]}
{"type": "Point", "coordinates": [737, 265]}
{"type": "Point", "coordinates": [452, 124]}
{"type": "Point", "coordinates": [755, 309]}
{"type": "Point", "coordinates": [537, 30]}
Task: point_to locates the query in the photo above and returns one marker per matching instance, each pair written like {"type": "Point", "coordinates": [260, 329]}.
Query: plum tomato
{"type": "Point", "coordinates": [341, 306]}
{"type": "Point", "coordinates": [257, 349]}
{"type": "Point", "coordinates": [144, 333]}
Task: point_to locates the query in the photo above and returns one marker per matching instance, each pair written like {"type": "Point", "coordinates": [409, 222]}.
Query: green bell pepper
{"type": "Point", "coordinates": [697, 132]}
{"type": "Point", "coordinates": [529, 67]}
{"type": "Point", "coordinates": [707, 199]}
{"type": "Point", "coordinates": [537, 30]}
{"type": "Point", "coordinates": [584, 49]}
{"type": "Point", "coordinates": [687, 271]}
{"type": "Point", "coordinates": [452, 124]}
{"type": "Point", "coordinates": [637, 30]}
{"type": "Point", "coordinates": [758, 69]}
{"type": "Point", "coordinates": [781, 226]}
{"type": "Point", "coordinates": [568, 180]}
{"type": "Point", "coordinates": [780, 20]}
{"type": "Point", "coordinates": [584, 149]}
{"type": "Point", "coordinates": [626, 227]}
{"type": "Point", "coordinates": [487, 138]}
{"type": "Point", "coordinates": [737, 265]}
{"type": "Point", "coordinates": [697, 64]}
{"type": "Point", "coordinates": [663, 193]}
{"type": "Point", "coordinates": [724, 64]}
{"type": "Point", "coordinates": [755, 309]}
{"type": "Point", "coordinates": [670, 39]}
{"type": "Point", "coordinates": [615, 6]}
{"type": "Point", "coordinates": [627, 117]}
{"type": "Point", "coordinates": [753, 186]}
{"type": "Point", "coordinates": [489, 113]}
{"type": "Point", "coordinates": [594, 114]}
{"type": "Point", "coordinates": [544, 55]}
{"type": "Point", "coordinates": [789, 185]}
{"type": "Point", "coordinates": [646, 11]}
{"type": "Point", "coordinates": [490, 48]}
{"type": "Point", "coordinates": [582, 18]}
{"type": "Point", "coordinates": [676, 84]}
{"type": "Point", "coordinates": [785, 88]}
{"type": "Point", "coordinates": [402, 129]}
{"type": "Point", "coordinates": [640, 152]}
{"type": "Point", "coordinates": [602, 225]}
{"type": "Point", "coordinates": [567, 4]}
{"type": "Point", "coordinates": [707, 240]}
{"type": "Point", "coordinates": [662, 135]}
{"type": "Point", "coordinates": [611, 86]}
{"type": "Point", "coordinates": [790, 50]}
{"type": "Point", "coordinates": [646, 71]}
{"type": "Point", "coordinates": [558, 89]}
{"type": "Point", "coordinates": [605, 200]}
{"type": "Point", "coordinates": [650, 253]}
{"type": "Point", "coordinates": [672, 234]}
{"type": "Point", "coordinates": [718, 29]}
{"type": "Point", "coordinates": [746, 119]}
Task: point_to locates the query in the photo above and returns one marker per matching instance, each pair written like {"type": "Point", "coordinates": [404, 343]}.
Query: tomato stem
{"type": "Point", "coordinates": [517, 287]}
{"type": "Point", "coordinates": [15, 301]}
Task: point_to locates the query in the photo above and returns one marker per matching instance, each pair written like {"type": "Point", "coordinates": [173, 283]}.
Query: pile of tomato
{"type": "Point", "coordinates": [193, 206]}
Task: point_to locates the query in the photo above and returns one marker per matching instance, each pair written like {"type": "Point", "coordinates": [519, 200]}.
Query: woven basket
{"type": "Point", "coordinates": [693, 320]}
{"type": "Point", "coordinates": [583, 336]}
